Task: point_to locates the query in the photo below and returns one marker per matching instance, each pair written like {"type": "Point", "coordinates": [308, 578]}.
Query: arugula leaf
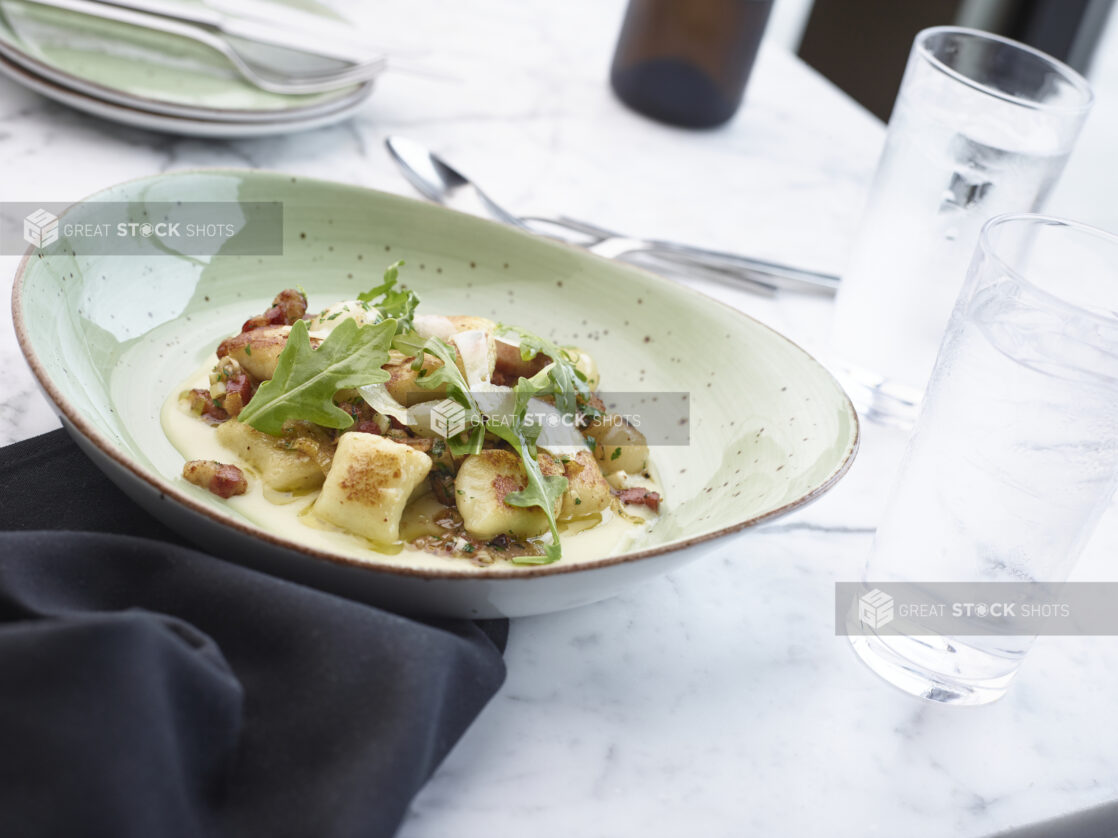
{"type": "Point", "coordinates": [457, 388]}
{"type": "Point", "coordinates": [409, 343]}
{"type": "Point", "coordinates": [515, 429]}
{"type": "Point", "coordinates": [391, 274]}
{"type": "Point", "coordinates": [398, 305]}
{"type": "Point", "coordinates": [569, 382]}
{"type": "Point", "coordinates": [306, 379]}
{"type": "Point", "coordinates": [542, 491]}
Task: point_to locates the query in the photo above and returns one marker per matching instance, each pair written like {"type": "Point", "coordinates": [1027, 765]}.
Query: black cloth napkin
{"type": "Point", "coordinates": [147, 689]}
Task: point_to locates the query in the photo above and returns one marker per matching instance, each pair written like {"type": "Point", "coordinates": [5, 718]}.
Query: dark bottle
{"type": "Point", "coordinates": [687, 61]}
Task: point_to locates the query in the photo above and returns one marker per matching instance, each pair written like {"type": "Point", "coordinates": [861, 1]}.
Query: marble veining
{"type": "Point", "coordinates": [717, 700]}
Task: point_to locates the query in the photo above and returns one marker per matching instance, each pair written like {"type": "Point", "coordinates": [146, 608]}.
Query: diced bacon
{"type": "Point", "coordinates": [288, 306]}
{"type": "Point", "coordinates": [640, 497]}
{"type": "Point", "coordinates": [206, 407]}
{"type": "Point", "coordinates": [221, 479]}
{"type": "Point", "coordinates": [238, 392]}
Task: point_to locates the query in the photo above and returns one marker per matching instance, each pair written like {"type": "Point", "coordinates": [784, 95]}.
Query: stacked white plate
{"type": "Point", "coordinates": [156, 80]}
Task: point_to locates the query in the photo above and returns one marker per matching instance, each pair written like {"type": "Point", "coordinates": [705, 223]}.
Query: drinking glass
{"type": "Point", "coordinates": [982, 126]}
{"type": "Point", "coordinates": [1015, 452]}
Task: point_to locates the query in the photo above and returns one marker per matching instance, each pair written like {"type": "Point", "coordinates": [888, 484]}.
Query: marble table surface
{"type": "Point", "coordinates": [717, 700]}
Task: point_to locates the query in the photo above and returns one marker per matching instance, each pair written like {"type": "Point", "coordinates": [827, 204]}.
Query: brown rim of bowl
{"type": "Point", "coordinates": [169, 490]}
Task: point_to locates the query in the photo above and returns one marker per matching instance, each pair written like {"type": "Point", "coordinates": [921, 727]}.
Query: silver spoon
{"type": "Point", "coordinates": [440, 182]}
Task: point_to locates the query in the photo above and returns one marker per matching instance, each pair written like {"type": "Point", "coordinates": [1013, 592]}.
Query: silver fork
{"type": "Point", "coordinates": [442, 183]}
{"type": "Point", "coordinates": [289, 84]}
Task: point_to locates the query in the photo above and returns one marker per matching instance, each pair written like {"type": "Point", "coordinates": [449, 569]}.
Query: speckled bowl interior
{"type": "Point", "coordinates": [111, 336]}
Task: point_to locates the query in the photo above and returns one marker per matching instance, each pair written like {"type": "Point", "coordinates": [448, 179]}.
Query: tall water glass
{"type": "Point", "coordinates": [982, 126]}
{"type": "Point", "coordinates": [1015, 453]}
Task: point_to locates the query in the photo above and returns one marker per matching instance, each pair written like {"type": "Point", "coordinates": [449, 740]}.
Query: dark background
{"type": "Point", "coordinates": [862, 45]}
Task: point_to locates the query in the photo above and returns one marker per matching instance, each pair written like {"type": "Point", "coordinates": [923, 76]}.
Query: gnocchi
{"type": "Point", "coordinates": [407, 429]}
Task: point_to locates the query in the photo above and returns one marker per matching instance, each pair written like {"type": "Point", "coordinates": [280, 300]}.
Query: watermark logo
{"type": "Point", "coordinates": [875, 609]}
{"type": "Point", "coordinates": [448, 418]}
{"type": "Point", "coordinates": [40, 228]}
{"type": "Point", "coordinates": [952, 609]}
{"type": "Point", "coordinates": [663, 418]}
{"type": "Point", "coordinates": [142, 228]}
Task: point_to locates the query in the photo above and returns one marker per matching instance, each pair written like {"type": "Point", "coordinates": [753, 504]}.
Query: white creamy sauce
{"type": "Point", "coordinates": [291, 516]}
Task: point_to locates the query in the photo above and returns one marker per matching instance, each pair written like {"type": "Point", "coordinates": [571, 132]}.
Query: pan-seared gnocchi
{"type": "Point", "coordinates": [482, 486]}
{"type": "Point", "coordinates": [371, 480]}
{"type": "Point", "coordinates": [414, 432]}
{"type": "Point", "coordinates": [278, 461]}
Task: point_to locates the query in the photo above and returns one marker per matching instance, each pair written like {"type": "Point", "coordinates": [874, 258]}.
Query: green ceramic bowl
{"type": "Point", "coordinates": [110, 336]}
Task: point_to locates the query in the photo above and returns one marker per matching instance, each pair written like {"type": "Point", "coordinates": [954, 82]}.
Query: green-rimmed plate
{"type": "Point", "coordinates": [153, 71]}
{"type": "Point", "coordinates": [110, 336]}
{"type": "Point", "coordinates": [178, 125]}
